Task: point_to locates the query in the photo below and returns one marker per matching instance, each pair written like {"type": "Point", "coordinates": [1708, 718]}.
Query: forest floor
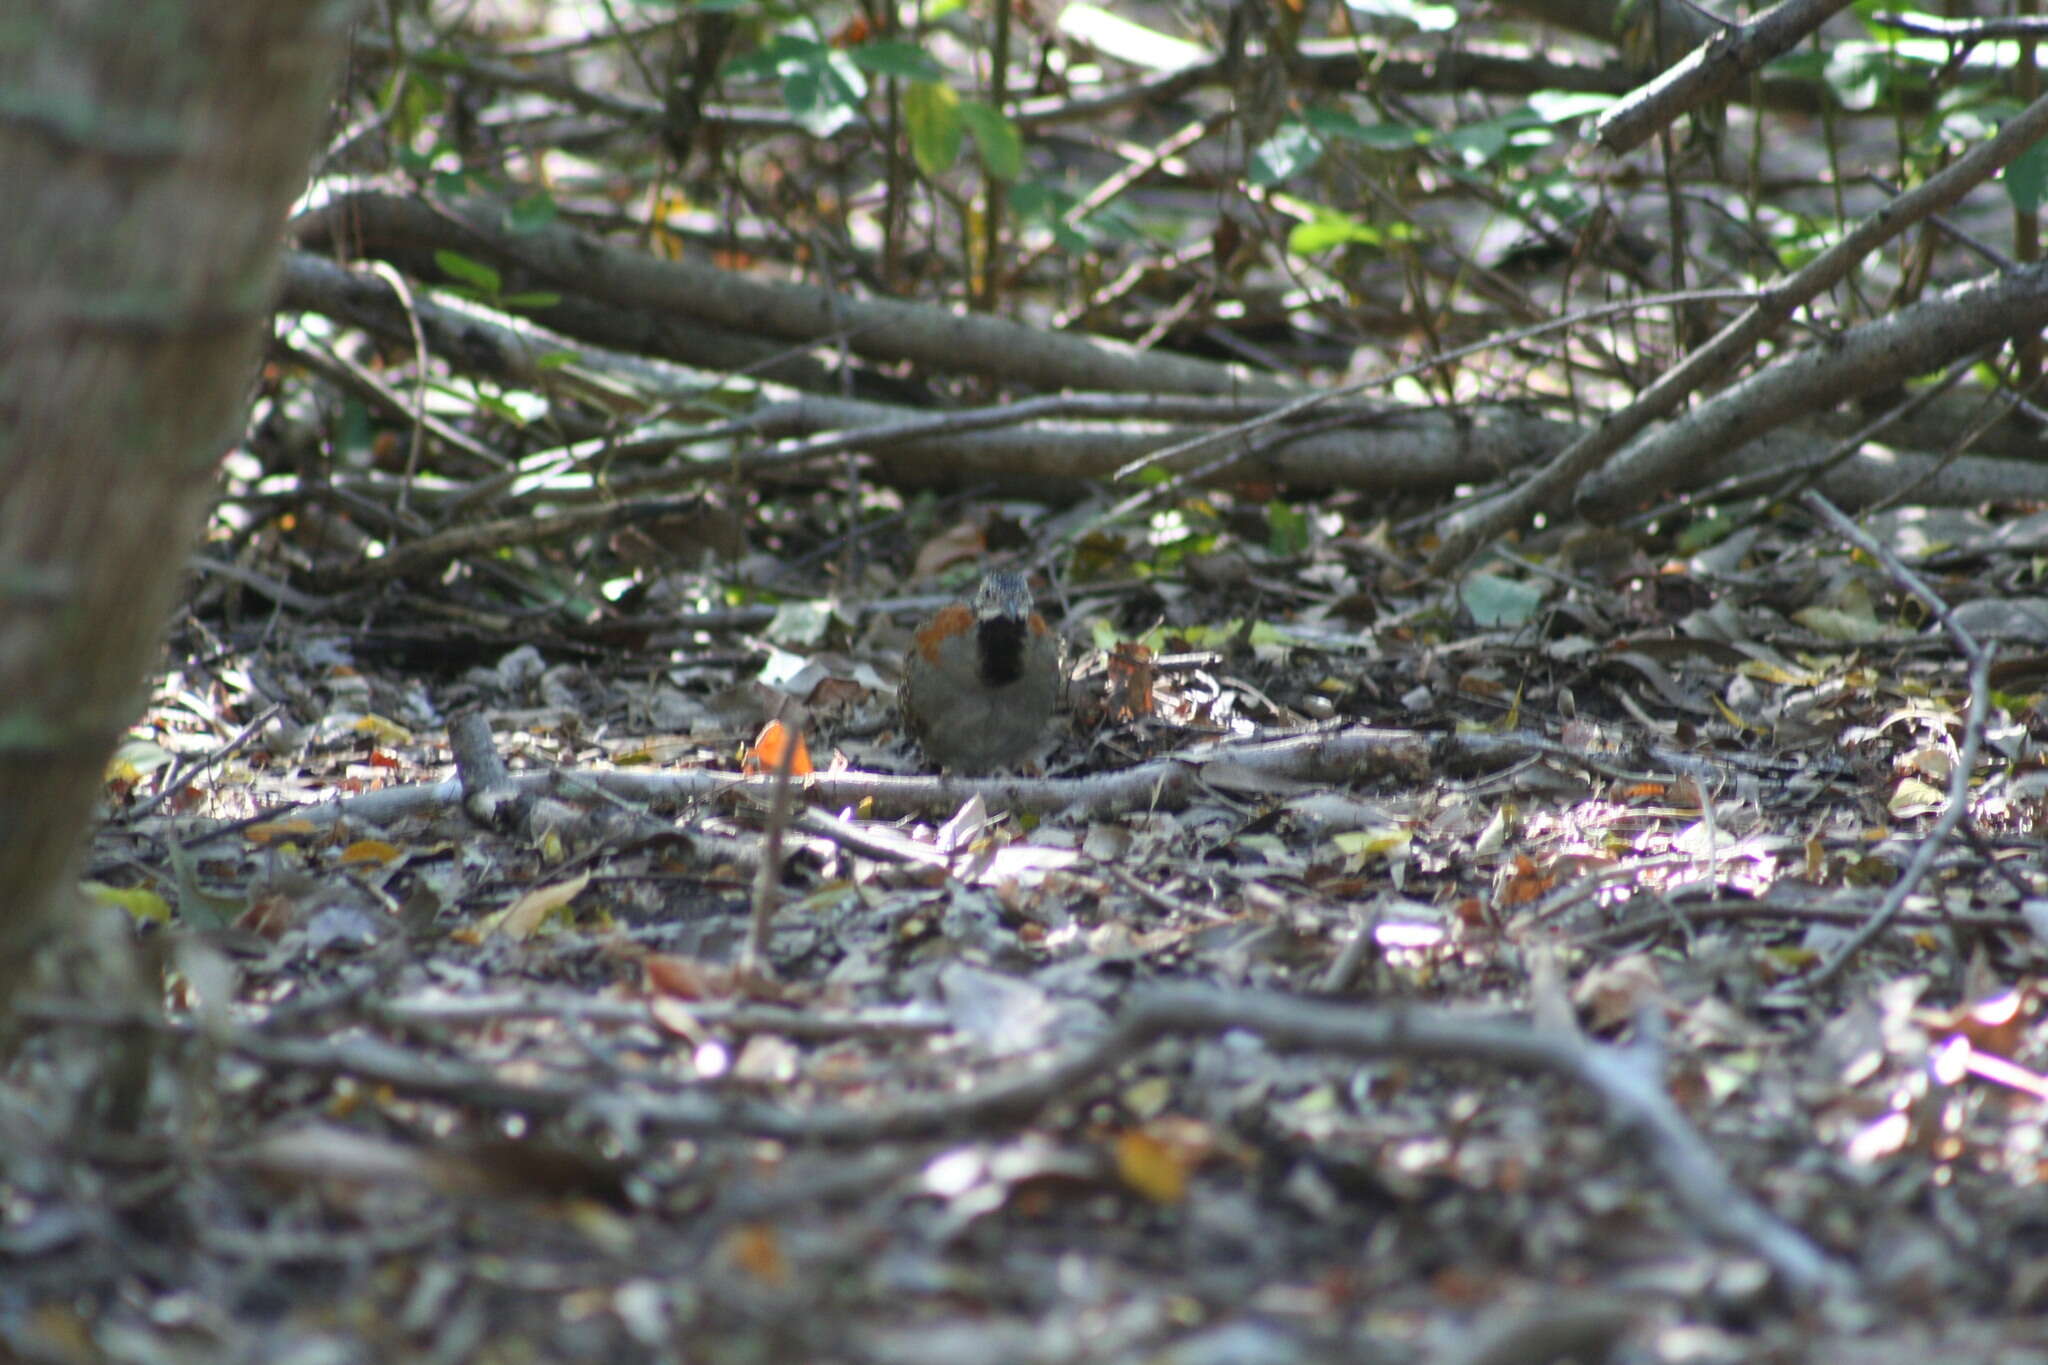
{"type": "Point", "coordinates": [1351, 980]}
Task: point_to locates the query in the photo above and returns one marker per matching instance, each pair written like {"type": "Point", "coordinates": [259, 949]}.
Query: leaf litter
{"type": "Point", "coordinates": [502, 1058]}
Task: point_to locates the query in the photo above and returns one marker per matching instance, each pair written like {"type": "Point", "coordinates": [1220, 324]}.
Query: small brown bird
{"type": "Point", "coordinates": [980, 683]}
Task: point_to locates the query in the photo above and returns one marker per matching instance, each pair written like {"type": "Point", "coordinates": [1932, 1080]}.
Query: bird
{"type": "Point", "coordinates": [981, 679]}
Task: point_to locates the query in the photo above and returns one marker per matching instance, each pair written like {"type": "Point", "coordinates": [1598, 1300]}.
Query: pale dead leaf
{"type": "Point", "coordinates": [520, 919]}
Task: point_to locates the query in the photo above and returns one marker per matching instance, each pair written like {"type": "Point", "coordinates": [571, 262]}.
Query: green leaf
{"type": "Point", "coordinates": [353, 431]}
{"type": "Point", "coordinates": [491, 403]}
{"type": "Point", "coordinates": [196, 907]}
{"type": "Point", "coordinates": [413, 106]}
{"type": "Point", "coordinates": [1045, 204]}
{"type": "Point", "coordinates": [779, 56]}
{"type": "Point", "coordinates": [1292, 149]}
{"type": "Point", "coordinates": [1485, 142]}
{"type": "Point", "coordinates": [1330, 228]}
{"type": "Point", "coordinates": [140, 902]}
{"type": "Point", "coordinates": [531, 213]}
{"type": "Point", "coordinates": [2026, 177]}
{"type": "Point", "coordinates": [1383, 137]}
{"type": "Point", "coordinates": [1860, 74]}
{"type": "Point", "coordinates": [1707, 531]}
{"type": "Point", "coordinates": [445, 58]}
{"type": "Point", "coordinates": [893, 57]}
{"type": "Point", "coordinates": [1286, 529]}
{"type": "Point", "coordinates": [932, 112]}
{"type": "Point", "coordinates": [472, 272]}
{"type": "Point", "coordinates": [1327, 229]}
{"type": "Point", "coordinates": [1497, 601]}
{"type": "Point", "coordinates": [536, 299]}
{"type": "Point", "coordinates": [1000, 144]}
{"type": "Point", "coordinates": [823, 89]}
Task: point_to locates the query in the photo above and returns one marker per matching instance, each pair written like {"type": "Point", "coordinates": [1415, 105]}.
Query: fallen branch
{"type": "Point", "coordinates": [888, 330]}
{"type": "Point", "coordinates": [1467, 530]}
{"type": "Point", "coordinates": [1635, 1101]}
{"type": "Point", "coordinates": [1868, 359]}
{"type": "Point", "coordinates": [1342, 755]}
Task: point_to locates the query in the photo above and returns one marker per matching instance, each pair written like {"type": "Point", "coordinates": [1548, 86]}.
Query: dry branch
{"type": "Point", "coordinates": [1866, 359]}
{"type": "Point", "coordinates": [1466, 530]}
{"type": "Point", "coordinates": [882, 329]}
{"type": "Point", "coordinates": [1624, 1082]}
{"type": "Point", "coordinates": [1341, 755]}
{"type": "Point", "coordinates": [1047, 447]}
{"type": "Point", "coordinates": [1709, 70]}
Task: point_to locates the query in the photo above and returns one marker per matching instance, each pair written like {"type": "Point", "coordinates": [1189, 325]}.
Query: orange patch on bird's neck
{"type": "Point", "coordinates": [950, 623]}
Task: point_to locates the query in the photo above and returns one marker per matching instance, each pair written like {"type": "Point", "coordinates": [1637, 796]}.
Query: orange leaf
{"type": "Point", "coordinates": [1151, 1167]}
{"type": "Point", "coordinates": [686, 978]}
{"type": "Point", "coordinates": [1130, 680]}
{"type": "Point", "coordinates": [766, 754]}
{"type": "Point", "coordinates": [755, 1248]}
{"type": "Point", "coordinates": [370, 851]}
{"type": "Point", "coordinates": [279, 829]}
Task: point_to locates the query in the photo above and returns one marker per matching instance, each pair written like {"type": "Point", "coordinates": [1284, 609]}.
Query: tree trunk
{"type": "Point", "coordinates": [148, 155]}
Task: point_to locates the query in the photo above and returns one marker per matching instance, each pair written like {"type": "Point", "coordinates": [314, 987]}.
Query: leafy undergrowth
{"type": "Point", "coordinates": [353, 1075]}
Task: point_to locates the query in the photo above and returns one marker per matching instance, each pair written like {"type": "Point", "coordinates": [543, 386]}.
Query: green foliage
{"type": "Point", "coordinates": [1192, 527]}
{"type": "Point", "coordinates": [931, 112]}
{"type": "Point", "coordinates": [1334, 122]}
{"type": "Point", "coordinates": [996, 138]}
{"type": "Point", "coordinates": [1705, 531]}
{"type": "Point", "coordinates": [1287, 529]}
{"type": "Point", "coordinates": [1495, 602]}
{"type": "Point", "coordinates": [1043, 204]}
{"type": "Point", "coordinates": [531, 213]}
{"type": "Point", "coordinates": [1291, 150]}
{"type": "Point", "coordinates": [821, 85]}
{"type": "Point", "coordinates": [2026, 179]}
{"type": "Point", "coordinates": [904, 61]}
{"type": "Point", "coordinates": [1505, 142]}
{"type": "Point", "coordinates": [1332, 228]}
{"type": "Point", "coordinates": [483, 283]}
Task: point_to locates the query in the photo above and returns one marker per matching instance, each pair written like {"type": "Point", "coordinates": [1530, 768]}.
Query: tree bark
{"type": "Point", "coordinates": [149, 156]}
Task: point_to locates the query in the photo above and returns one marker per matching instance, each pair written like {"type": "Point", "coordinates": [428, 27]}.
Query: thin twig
{"type": "Point", "coordinates": [1958, 804]}
{"type": "Point", "coordinates": [183, 774]}
{"type": "Point", "coordinates": [768, 873]}
{"type": "Point", "coordinates": [1635, 1100]}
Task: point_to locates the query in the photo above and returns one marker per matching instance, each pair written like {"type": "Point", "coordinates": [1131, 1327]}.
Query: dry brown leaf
{"type": "Point", "coordinates": [1615, 992]}
{"type": "Point", "coordinates": [958, 544]}
{"type": "Point", "coordinates": [520, 919]}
